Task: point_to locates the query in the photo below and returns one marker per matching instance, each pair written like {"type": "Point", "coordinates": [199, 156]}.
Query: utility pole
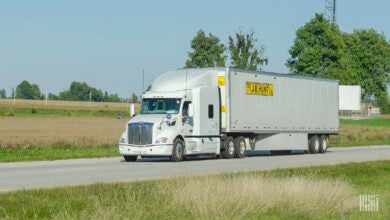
{"type": "Point", "coordinates": [46, 96]}
{"type": "Point", "coordinates": [143, 81]}
{"type": "Point", "coordinates": [14, 93]}
{"type": "Point", "coordinates": [330, 10]}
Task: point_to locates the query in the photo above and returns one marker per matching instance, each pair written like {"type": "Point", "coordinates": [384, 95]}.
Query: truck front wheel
{"type": "Point", "coordinates": [178, 150]}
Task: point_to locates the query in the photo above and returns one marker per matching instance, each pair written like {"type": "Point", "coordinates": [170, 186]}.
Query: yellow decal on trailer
{"type": "Point", "coordinates": [254, 88]}
{"type": "Point", "coordinates": [221, 80]}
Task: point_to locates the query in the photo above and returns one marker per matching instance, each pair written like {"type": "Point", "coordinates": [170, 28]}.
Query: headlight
{"type": "Point", "coordinates": [161, 140]}
{"type": "Point", "coordinates": [122, 140]}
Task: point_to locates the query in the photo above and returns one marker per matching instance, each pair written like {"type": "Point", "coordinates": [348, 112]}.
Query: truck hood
{"type": "Point", "coordinates": [156, 119]}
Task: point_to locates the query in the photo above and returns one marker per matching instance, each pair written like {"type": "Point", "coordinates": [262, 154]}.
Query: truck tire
{"type": "Point", "coordinates": [129, 158]}
{"type": "Point", "coordinates": [178, 150]}
{"type": "Point", "coordinates": [229, 148]}
{"type": "Point", "coordinates": [240, 147]}
{"type": "Point", "coordinates": [323, 144]}
{"type": "Point", "coordinates": [314, 144]}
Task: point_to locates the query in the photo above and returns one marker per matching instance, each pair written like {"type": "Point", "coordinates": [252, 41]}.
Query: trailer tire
{"type": "Point", "coordinates": [314, 144]}
{"type": "Point", "coordinates": [240, 147]}
{"type": "Point", "coordinates": [178, 149]}
{"type": "Point", "coordinates": [323, 144]}
{"type": "Point", "coordinates": [129, 158]}
{"type": "Point", "coordinates": [229, 151]}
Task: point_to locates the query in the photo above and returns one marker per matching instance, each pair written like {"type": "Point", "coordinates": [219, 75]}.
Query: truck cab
{"type": "Point", "coordinates": [178, 117]}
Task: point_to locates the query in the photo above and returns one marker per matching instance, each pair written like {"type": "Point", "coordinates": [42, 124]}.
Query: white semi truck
{"type": "Point", "coordinates": [227, 112]}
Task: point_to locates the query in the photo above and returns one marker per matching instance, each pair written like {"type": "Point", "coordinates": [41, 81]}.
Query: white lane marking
{"type": "Point", "coordinates": [73, 169]}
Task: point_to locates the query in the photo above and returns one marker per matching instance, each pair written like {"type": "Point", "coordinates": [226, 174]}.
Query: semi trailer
{"type": "Point", "coordinates": [227, 113]}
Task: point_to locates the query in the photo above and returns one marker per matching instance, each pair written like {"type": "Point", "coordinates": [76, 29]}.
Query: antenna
{"type": "Point", "coordinates": [143, 81]}
{"type": "Point", "coordinates": [330, 10]}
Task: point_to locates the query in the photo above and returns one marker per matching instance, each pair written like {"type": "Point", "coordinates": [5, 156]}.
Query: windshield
{"type": "Point", "coordinates": [160, 106]}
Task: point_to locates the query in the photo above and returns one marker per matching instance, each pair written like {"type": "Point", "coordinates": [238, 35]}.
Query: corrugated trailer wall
{"type": "Point", "coordinates": [263, 102]}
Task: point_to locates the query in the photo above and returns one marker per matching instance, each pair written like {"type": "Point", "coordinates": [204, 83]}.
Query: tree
{"type": "Point", "coordinates": [148, 88]}
{"type": "Point", "coordinates": [52, 96]}
{"type": "Point", "coordinates": [361, 58]}
{"type": "Point", "coordinates": [368, 62]}
{"type": "Point", "coordinates": [134, 98]}
{"type": "Point", "coordinates": [114, 98]}
{"type": "Point", "coordinates": [318, 49]}
{"type": "Point", "coordinates": [243, 52]}
{"type": "Point", "coordinates": [25, 90]}
{"type": "Point", "coordinates": [208, 52]}
{"type": "Point", "coordinates": [80, 91]}
{"type": "Point", "coordinates": [3, 94]}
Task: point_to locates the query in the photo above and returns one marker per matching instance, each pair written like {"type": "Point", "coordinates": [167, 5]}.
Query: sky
{"type": "Point", "coordinates": [109, 44]}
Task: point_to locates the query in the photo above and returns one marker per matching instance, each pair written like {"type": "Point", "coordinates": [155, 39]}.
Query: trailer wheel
{"type": "Point", "coordinates": [240, 147]}
{"type": "Point", "coordinates": [314, 144]}
{"type": "Point", "coordinates": [178, 150]}
{"type": "Point", "coordinates": [129, 158]}
{"type": "Point", "coordinates": [229, 148]}
{"type": "Point", "coordinates": [323, 144]}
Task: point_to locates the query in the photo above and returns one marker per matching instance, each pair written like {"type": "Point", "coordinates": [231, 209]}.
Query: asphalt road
{"type": "Point", "coordinates": [26, 175]}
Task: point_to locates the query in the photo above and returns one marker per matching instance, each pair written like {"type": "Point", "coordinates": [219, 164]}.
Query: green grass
{"type": "Point", "coordinates": [29, 153]}
{"type": "Point", "coordinates": [225, 196]}
{"type": "Point", "coordinates": [359, 143]}
{"type": "Point", "coordinates": [42, 111]}
{"type": "Point", "coordinates": [365, 132]}
{"type": "Point", "coordinates": [374, 122]}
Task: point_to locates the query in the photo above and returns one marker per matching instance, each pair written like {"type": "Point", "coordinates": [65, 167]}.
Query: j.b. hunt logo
{"type": "Point", "coordinates": [369, 203]}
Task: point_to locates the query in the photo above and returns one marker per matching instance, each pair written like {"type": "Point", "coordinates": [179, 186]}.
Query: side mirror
{"type": "Point", "coordinates": [190, 110]}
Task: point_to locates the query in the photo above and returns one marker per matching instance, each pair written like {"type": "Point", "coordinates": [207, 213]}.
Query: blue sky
{"type": "Point", "coordinates": [108, 43]}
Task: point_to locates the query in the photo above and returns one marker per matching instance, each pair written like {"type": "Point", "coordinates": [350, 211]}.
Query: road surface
{"type": "Point", "coordinates": [26, 175]}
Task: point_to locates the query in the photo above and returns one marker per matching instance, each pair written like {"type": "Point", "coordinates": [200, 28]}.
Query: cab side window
{"type": "Point", "coordinates": [186, 118]}
{"type": "Point", "coordinates": [185, 108]}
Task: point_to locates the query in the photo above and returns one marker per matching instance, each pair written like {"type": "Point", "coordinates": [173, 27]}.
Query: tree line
{"type": "Point", "coordinates": [78, 91]}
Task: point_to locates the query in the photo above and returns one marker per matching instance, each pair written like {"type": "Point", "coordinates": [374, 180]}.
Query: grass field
{"type": "Point", "coordinates": [36, 108]}
{"type": "Point", "coordinates": [363, 132]}
{"type": "Point", "coordinates": [52, 137]}
{"type": "Point", "coordinates": [302, 193]}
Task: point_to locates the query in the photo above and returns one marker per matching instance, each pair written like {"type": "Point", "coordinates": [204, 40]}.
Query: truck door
{"type": "Point", "coordinates": [187, 121]}
{"type": "Point", "coordinates": [206, 117]}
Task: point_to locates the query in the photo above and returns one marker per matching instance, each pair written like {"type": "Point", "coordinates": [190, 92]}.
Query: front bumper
{"type": "Point", "coordinates": [147, 150]}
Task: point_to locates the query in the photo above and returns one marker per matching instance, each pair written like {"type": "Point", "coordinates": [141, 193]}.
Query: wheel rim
{"type": "Point", "coordinates": [242, 147]}
{"type": "Point", "coordinates": [178, 150]}
{"type": "Point", "coordinates": [324, 145]}
{"type": "Point", "coordinates": [231, 148]}
{"type": "Point", "coordinates": [316, 145]}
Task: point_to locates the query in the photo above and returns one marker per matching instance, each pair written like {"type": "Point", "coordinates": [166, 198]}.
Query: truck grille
{"type": "Point", "coordinates": [140, 133]}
